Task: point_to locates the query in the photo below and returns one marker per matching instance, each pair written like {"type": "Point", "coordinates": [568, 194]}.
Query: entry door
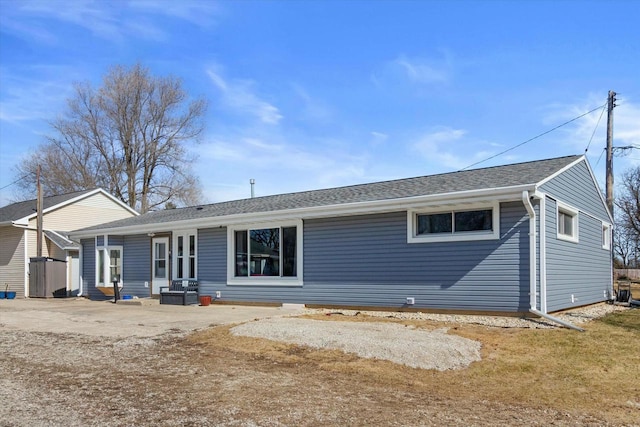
{"type": "Point", "coordinates": [75, 274]}
{"type": "Point", "coordinates": [160, 273]}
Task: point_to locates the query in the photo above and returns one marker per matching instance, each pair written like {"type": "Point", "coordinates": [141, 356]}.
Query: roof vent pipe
{"type": "Point", "coordinates": [253, 183]}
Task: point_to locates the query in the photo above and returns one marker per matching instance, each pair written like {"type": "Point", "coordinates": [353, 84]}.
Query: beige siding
{"type": "Point", "coordinates": [54, 251]}
{"type": "Point", "coordinates": [32, 244]}
{"type": "Point", "coordinates": [12, 259]}
{"type": "Point", "coordinates": [93, 210]}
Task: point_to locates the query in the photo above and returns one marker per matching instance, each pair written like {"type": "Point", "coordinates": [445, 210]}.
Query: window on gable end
{"type": "Point", "coordinates": [567, 219]}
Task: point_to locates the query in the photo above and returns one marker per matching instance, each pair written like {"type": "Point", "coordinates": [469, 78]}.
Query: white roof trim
{"type": "Point", "coordinates": [595, 182]}
{"type": "Point", "coordinates": [593, 179]}
{"type": "Point", "coordinates": [61, 237]}
{"type": "Point", "coordinates": [558, 172]}
{"type": "Point", "coordinates": [345, 209]}
{"type": "Point", "coordinates": [76, 199]}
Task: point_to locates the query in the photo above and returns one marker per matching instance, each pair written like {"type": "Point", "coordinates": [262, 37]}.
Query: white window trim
{"type": "Point", "coordinates": [412, 224]}
{"type": "Point", "coordinates": [107, 264]}
{"type": "Point", "coordinates": [606, 231]}
{"type": "Point", "coordinates": [232, 280]}
{"type": "Point", "coordinates": [567, 209]}
{"type": "Point", "coordinates": [185, 258]}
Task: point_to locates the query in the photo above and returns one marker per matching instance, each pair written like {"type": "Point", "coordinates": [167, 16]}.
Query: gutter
{"type": "Point", "coordinates": [532, 266]}
{"type": "Point", "coordinates": [338, 209]}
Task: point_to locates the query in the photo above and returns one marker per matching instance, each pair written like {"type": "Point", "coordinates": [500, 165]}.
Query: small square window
{"type": "Point", "coordinates": [567, 223]}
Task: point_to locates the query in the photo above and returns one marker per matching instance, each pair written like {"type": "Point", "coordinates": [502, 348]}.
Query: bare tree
{"type": "Point", "coordinates": [128, 136]}
{"type": "Point", "coordinates": [627, 236]}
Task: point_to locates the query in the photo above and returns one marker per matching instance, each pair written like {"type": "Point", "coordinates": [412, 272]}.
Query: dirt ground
{"type": "Point", "coordinates": [81, 363]}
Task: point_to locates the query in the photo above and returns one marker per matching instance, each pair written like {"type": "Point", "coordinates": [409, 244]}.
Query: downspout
{"type": "Point", "coordinates": [80, 267]}
{"type": "Point", "coordinates": [532, 250]}
{"type": "Point", "coordinates": [532, 263]}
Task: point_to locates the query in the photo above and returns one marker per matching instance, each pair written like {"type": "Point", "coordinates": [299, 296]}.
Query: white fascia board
{"type": "Point", "coordinates": [78, 198]}
{"type": "Point", "coordinates": [336, 210]}
{"type": "Point", "coordinates": [66, 247]}
{"type": "Point", "coordinates": [119, 202]}
{"type": "Point", "coordinates": [593, 178]}
{"type": "Point", "coordinates": [602, 198]}
{"type": "Point", "coordinates": [564, 169]}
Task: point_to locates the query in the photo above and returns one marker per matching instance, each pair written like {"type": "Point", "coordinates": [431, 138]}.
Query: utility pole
{"type": "Point", "coordinates": [39, 209]}
{"type": "Point", "coordinates": [611, 103]}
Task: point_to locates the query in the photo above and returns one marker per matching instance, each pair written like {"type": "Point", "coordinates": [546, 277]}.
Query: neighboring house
{"type": "Point", "coordinates": [18, 233]}
{"type": "Point", "coordinates": [502, 239]}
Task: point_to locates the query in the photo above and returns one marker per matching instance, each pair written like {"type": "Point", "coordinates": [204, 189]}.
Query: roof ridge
{"type": "Point", "coordinates": [382, 182]}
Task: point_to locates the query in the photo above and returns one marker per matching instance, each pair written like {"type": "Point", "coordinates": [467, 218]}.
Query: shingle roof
{"type": "Point", "coordinates": [19, 210]}
{"type": "Point", "coordinates": [61, 240]}
{"type": "Point", "coordinates": [528, 173]}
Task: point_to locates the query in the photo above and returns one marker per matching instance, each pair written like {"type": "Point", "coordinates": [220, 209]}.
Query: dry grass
{"type": "Point", "coordinates": [592, 373]}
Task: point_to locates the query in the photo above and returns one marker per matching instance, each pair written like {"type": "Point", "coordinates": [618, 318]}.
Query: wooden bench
{"type": "Point", "coordinates": [181, 292]}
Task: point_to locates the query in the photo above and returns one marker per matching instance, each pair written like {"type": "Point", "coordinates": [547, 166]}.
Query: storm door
{"type": "Point", "coordinates": [160, 268]}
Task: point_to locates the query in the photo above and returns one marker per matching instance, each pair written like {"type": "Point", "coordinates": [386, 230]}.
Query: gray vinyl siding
{"type": "Point", "coordinates": [581, 269]}
{"type": "Point", "coordinates": [136, 265]}
{"type": "Point", "coordinates": [212, 259]}
{"type": "Point", "coordinates": [89, 270]}
{"type": "Point", "coordinates": [576, 187]}
{"type": "Point", "coordinates": [365, 260]}
{"type": "Point", "coordinates": [116, 240]}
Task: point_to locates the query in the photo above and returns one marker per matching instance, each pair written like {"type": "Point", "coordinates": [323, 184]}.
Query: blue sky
{"type": "Point", "coordinates": [315, 94]}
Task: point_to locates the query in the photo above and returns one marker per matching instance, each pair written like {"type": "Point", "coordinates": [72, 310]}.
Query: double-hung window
{"type": "Point", "coordinates": [567, 219]}
{"type": "Point", "coordinates": [108, 265]}
{"type": "Point", "coordinates": [185, 253]}
{"type": "Point", "coordinates": [265, 254]}
{"type": "Point", "coordinates": [477, 222]}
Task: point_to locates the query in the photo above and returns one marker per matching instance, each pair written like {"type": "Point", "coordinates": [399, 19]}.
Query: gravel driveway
{"type": "Point", "coordinates": [82, 363]}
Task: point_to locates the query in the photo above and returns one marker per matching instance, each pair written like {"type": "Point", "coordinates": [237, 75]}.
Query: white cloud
{"type": "Point", "coordinates": [277, 165]}
{"type": "Point", "coordinates": [450, 148]}
{"type": "Point", "coordinates": [593, 127]}
{"type": "Point", "coordinates": [113, 21]}
{"type": "Point", "coordinates": [199, 12]}
{"type": "Point", "coordinates": [421, 71]}
{"type": "Point", "coordinates": [239, 95]}
{"type": "Point", "coordinates": [417, 71]}
{"type": "Point", "coordinates": [24, 99]}
{"type": "Point", "coordinates": [378, 137]}
{"type": "Point", "coordinates": [312, 108]}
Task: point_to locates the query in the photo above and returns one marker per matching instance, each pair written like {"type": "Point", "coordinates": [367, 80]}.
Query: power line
{"type": "Point", "coordinates": [595, 129]}
{"type": "Point", "coordinates": [535, 137]}
{"type": "Point", "coordinates": [9, 185]}
{"type": "Point", "coordinates": [599, 158]}
{"type": "Point", "coordinates": [16, 181]}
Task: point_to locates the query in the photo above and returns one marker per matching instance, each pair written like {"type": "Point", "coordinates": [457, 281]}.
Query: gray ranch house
{"type": "Point", "coordinates": [504, 240]}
